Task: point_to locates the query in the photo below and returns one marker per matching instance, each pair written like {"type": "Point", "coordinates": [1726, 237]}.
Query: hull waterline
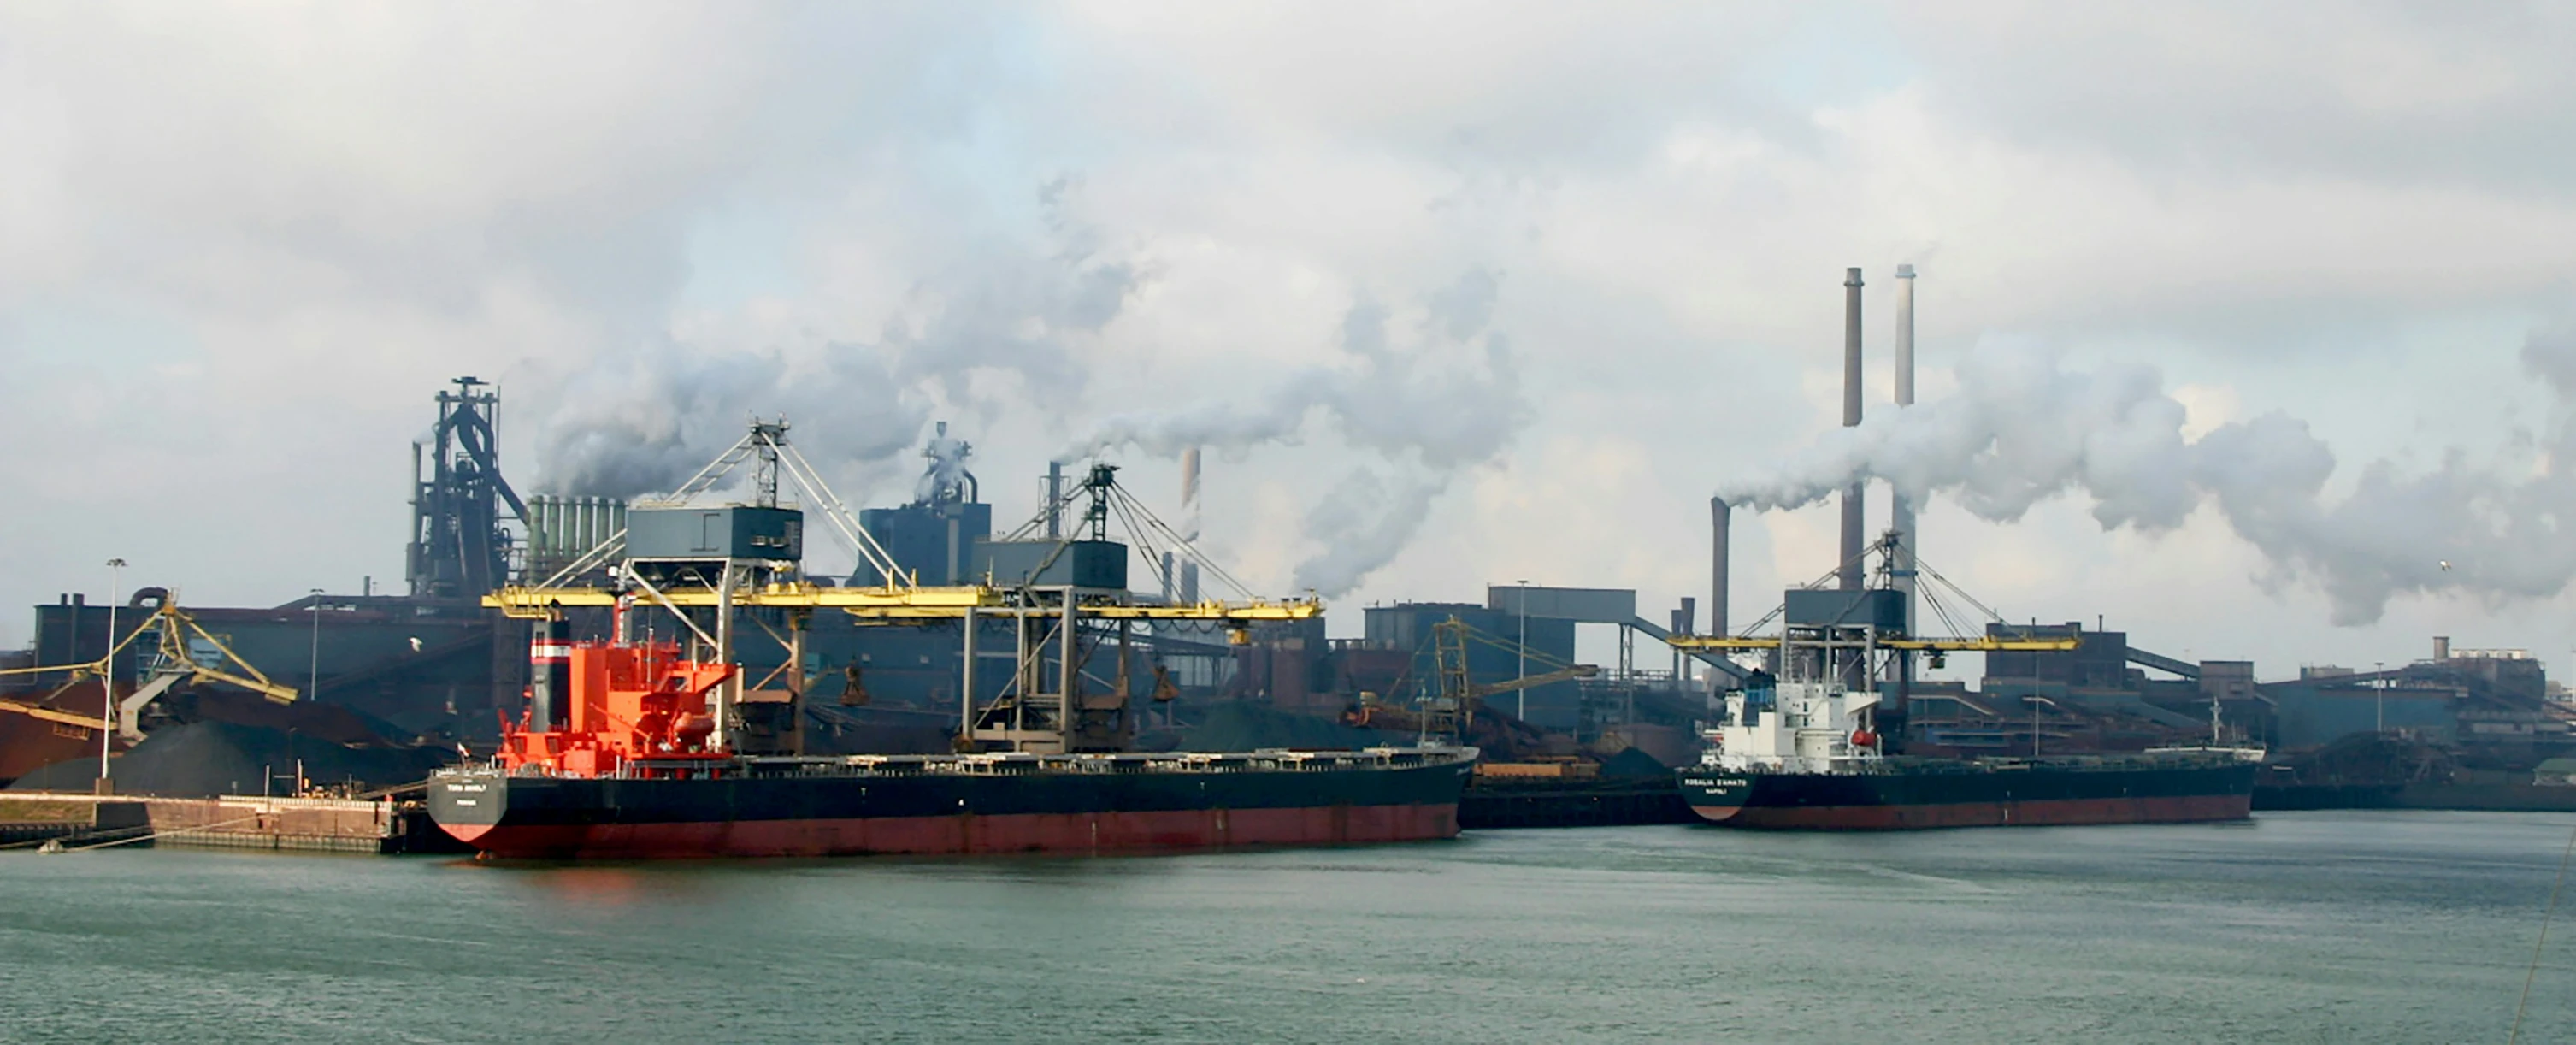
{"type": "Point", "coordinates": [818, 809]}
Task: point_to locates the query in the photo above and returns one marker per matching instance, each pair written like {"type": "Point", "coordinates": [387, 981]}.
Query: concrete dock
{"type": "Point", "coordinates": [346, 825]}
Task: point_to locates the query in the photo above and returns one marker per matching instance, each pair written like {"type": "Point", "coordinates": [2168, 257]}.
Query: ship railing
{"type": "Point", "coordinates": [1016, 763]}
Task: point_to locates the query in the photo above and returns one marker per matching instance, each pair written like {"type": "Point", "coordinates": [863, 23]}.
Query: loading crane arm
{"type": "Point", "coordinates": [1579, 671]}
{"type": "Point", "coordinates": [1976, 643]}
{"type": "Point", "coordinates": [174, 663]}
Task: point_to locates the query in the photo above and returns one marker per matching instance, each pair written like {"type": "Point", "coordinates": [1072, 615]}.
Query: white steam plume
{"type": "Point", "coordinates": [1363, 523]}
{"type": "Point", "coordinates": [1446, 398]}
{"type": "Point", "coordinates": [645, 422]}
{"type": "Point", "coordinates": [2022, 428]}
{"type": "Point", "coordinates": [947, 469]}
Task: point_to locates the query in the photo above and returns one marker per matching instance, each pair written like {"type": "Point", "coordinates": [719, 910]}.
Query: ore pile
{"type": "Point", "coordinates": [203, 759]}
{"type": "Point", "coordinates": [863, 731]}
{"type": "Point", "coordinates": [1632, 763]}
{"type": "Point", "coordinates": [1245, 727]}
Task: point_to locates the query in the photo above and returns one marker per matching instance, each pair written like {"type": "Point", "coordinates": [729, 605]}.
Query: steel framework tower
{"type": "Point", "coordinates": [458, 549]}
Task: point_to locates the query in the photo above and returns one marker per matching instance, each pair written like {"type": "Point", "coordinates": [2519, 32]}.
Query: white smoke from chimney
{"type": "Point", "coordinates": [2022, 428]}
{"type": "Point", "coordinates": [1427, 397]}
{"type": "Point", "coordinates": [947, 469]}
{"type": "Point", "coordinates": [646, 419]}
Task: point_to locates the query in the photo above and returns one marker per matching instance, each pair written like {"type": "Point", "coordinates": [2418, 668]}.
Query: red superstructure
{"type": "Point", "coordinates": [596, 707]}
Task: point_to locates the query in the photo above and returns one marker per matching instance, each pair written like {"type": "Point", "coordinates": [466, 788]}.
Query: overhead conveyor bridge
{"type": "Point", "coordinates": [1715, 659]}
{"type": "Point", "coordinates": [2163, 663]}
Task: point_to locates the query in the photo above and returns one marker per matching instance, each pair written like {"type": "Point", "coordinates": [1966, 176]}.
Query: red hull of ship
{"type": "Point", "coordinates": [971, 834]}
{"type": "Point", "coordinates": [2177, 810]}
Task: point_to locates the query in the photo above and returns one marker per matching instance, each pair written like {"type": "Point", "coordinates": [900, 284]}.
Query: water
{"type": "Point", "coordinates": [2316, 927]}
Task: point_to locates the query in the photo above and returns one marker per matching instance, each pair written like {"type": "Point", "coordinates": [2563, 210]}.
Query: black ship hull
{"type": "Point", "coordinates": [1941, 793]}
{"type": "Point", "coordinates": [940, 805]}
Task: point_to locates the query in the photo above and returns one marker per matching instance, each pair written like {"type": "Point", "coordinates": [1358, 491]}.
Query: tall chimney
{"type": "Point", "coordinates": [1190, 494]}
{"type": "Point", "coordinates": [1189, 582]}
{"type": "Point", "coordinates": [1718, 533]}
{"type": "Point", "coordinates": [1682, 625]}
{"type": "Point", "coordinates": [1900, 512]}
{"type": "Point", "coordinates": [1055, 494]}
{"type": "Point", "coordinates": [1851, 564]}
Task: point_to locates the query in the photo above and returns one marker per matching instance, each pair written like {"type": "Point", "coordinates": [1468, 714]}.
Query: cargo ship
{"type": "Point", "coordinates": [1815, 746]}
{"type": "Point", "coordinates": [1805, 755]}
{"type": "Point", "coordinates": [634, 771]}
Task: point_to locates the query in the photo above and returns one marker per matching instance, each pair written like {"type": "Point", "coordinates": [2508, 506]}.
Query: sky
{"type": "Point", "coordinates": [1454, 294]}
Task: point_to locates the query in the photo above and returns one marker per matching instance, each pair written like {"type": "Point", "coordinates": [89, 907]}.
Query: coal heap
{"type": "Point", "coordinates": [1633, 763]}
{"type": "Point", "coordinates": [856, 731]}
{"type": "Point", "coordinates": [332, 722]}
{"type": "Point", "coordinates": [203, 759]}
{"type": "Point", "coordinates": [1243, 726]}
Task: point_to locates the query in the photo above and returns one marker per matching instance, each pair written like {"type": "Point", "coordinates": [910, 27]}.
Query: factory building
{"type": "Point", "coordinates": [933, 537]}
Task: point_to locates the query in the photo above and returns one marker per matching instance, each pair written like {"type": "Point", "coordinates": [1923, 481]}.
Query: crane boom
{"type": "Point", "coordinates": [1969, 644]}
{"type": "Point", "coordinates": [1579, 671]}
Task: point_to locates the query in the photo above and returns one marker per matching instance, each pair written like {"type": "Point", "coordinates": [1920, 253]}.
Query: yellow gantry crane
{"type": "Point", "coordinates": [887, 603]}
{"type": "Point", "coordinates": [1043, 708]}
{"type": "Point", "coordinates": [1980, 643]}
{"type": "Point", "coordinates": [1848, 623]}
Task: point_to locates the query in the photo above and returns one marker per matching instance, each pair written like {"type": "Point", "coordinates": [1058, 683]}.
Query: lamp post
{"type": "Point", "coordinates": [313, 666]}
{"type": "Point", "coordinates": [1521, 699]}
{"type": "Point", "coordinates": [107, 686]}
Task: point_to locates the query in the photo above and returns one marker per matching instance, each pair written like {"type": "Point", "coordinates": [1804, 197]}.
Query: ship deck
{"type": "Point", "coordinates": [1006, 764]}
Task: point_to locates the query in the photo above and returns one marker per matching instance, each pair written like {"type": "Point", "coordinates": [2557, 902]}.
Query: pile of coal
{"type": "Point", "coordinates": [207, 758]}
{"type": "Point", "coordinates": [1244, 726]}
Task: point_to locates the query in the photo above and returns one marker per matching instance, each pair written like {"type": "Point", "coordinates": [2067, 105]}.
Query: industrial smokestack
{"type": "Point", "coordinates": [2441, 647]}
{"type": "Point", "coordinates": [1900, 512]}
{"type": "Point", "coordinates": [1851, 565]}
{"type": "Point", "coordinates": [1190, 493]}
{"type": "Point", "coordinates": [1055, 498]}
{"type": "Point", "coordinates": [1719, 524]}
{"type": "Point", "coordinates": [1190, 522]}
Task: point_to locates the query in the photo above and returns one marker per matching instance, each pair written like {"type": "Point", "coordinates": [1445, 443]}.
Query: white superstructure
{"type": "Point", "coordinates": [1793, 727]}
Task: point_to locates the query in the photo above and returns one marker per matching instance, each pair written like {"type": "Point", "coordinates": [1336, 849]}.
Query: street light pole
{"type": "Point", "coordinates": [313, 666]}
{"type": "Point", "coordinates": [107, 686]}
{"type": "Point", "coordinates": [2379, 702]}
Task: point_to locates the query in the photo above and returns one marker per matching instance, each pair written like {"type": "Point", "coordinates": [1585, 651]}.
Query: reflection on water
{"type": "Point", "coordinates": [2300, 927]}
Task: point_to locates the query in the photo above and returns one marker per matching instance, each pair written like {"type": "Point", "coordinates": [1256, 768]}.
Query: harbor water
{"type": "Point", "coordinates": [2298, 927]}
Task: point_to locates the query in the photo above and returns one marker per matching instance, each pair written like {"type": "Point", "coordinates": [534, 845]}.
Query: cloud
{"type": "Point", "coordinates": [241, 246]}
{"type": "Point", "coordinates": [1444, 396]}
